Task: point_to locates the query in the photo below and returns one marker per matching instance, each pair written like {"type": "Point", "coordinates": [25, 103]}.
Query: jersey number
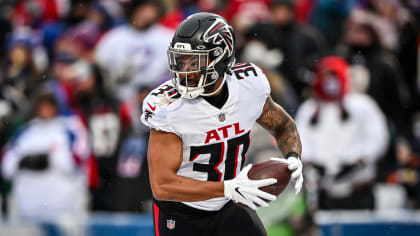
{"type": "Point", "coordinates": [217, 151]}
{"type": "Point", "coordinates": [169, 90]}
{"type": "Point", "coordinates": [243, 69]}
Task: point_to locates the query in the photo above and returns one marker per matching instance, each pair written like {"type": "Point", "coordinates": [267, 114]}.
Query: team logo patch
{"type": "Point", "coordinates": [170, 224]}
{"type": "Point", "coordinates": [148, 114]}
{"type": "Point", "coordinates": [220, 32]}
{"type": "Point", "coordinates": [222, 117]}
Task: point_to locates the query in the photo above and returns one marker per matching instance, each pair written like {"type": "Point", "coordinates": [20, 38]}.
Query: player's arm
{"type": "Point", "coordinates": [283, 127]}
{"type": "Point", "coordinates": [164, 159]}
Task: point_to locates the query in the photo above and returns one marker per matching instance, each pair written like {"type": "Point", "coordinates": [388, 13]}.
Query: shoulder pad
{"type": "Point", "coordinates": [165, 94]}
{"type": "Point", "coordinates": [253, 75]}
{"type": "Point", "coordinates": [244, 70]}
{"type": "Point", "coordinates": [156, 105]}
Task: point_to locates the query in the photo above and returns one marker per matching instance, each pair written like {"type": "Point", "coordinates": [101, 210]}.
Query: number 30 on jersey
{"type": "Point", "coordinates": [217, 151]}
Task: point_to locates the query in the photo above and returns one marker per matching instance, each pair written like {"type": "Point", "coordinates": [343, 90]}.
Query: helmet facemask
{"type": "Point", "coordinates": [193, 72]}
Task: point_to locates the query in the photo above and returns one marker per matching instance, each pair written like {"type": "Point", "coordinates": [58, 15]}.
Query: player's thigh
{"type": "Point", "coordinates": [237, 220]}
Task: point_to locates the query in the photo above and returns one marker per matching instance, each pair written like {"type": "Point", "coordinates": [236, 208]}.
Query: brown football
{"type": "Point", "coordinates": [271, 169]}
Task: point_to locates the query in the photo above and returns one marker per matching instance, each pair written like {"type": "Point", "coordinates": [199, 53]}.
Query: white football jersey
{"type": "Point", "coordinates": [214, 140]}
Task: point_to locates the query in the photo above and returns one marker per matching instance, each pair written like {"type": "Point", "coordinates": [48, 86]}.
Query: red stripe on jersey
{"type": "Point", "coordinates": [156, 218]}
{"type": "Point", "coordinates": [238, 65]}
{"type": "Point", "coordinates": [242, 68]}
{"type": "Point", "coordinates": [194, 157]}
{"type": "Point", "coordinates": [249, 142]}
{"type": "Point", "coordinates": [236, 160]}
{"type": "Point", "coordinates": [172, 93]}
{"type": "Point", "coordinates": [220, 162]}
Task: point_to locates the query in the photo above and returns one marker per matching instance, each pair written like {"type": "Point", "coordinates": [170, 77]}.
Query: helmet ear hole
{"type": "Point", "coordinates": [214, 76]}
{"type": "Point", "coordinates": [217, 52]}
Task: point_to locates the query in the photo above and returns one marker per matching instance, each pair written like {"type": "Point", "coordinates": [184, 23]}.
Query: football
{"type": "Point", "coordinates": [271, 169]}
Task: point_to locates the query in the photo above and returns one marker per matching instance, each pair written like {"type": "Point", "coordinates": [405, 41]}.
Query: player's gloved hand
{"type": "Point", "coordinates": [242, 189]}
{"type": "Point", "coordinates": [294, 164]}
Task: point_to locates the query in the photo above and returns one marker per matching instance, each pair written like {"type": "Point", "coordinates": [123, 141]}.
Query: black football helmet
{"type": "Point", "coordinates": [201, 52]}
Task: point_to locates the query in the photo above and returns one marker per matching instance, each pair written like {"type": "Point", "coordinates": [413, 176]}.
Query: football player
{"type": "Point", "coordinates": [200, 124]}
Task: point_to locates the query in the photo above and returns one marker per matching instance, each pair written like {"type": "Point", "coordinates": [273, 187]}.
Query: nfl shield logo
{"type": "Point", "coordinates": [170, 224]}
{"type": "Point", "coordinates": [222, 117]}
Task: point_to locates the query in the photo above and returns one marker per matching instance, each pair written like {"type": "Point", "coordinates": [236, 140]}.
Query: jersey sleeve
{"type": "Point", "coordinates": [155, 113]}
{"type": "Point", "coordinates": [254, 80]}
{"type": "Point", "coordinates": [263, 83]}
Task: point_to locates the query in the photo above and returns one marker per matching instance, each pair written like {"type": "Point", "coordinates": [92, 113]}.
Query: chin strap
{"type": "Point", "coordinates": [194, 93]}
{"type": "Point", "coordinates": [191, 94]}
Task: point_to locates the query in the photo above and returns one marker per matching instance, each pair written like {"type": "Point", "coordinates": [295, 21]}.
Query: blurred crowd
{"type": "Point", "coordinates": [73, 75]}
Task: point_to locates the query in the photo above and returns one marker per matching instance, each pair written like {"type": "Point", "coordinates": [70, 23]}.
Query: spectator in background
{"type": "Point", "coordinates": [101, 17]}
{"type": "Point", "coordinates": [80, 25]}
{"type": "Point", "coordinates": [407, 52]}
{"type": "Point", "coordinates": [329, 17]}
{"type": "Point", "coordinates": [388, 17]}
{"type": "Point", "coordinates": [83, 94]}
{"type": "Point", "coordinates": [377, 74]}
{"type": "Point", "coordinates": [406, 172]}
{"type": "Point", "coordinates": [26, 61]}
{"type": "Point", "coordinates": [135, 54]}
{"type": "Point", "coordinates": [344, 134]}
{"type": "Point", "coordinates": [245, 14]}
{"type": "Point", "coordinates": [133, 193]}
{"type": "Point", "coordinates": [48, 184]}
{"type": "Point", "coordinates": [297, 47]}
{"type": "Point", "coordinates": [5, 28]}
{"type": "Point", "coordinates": [179, 10]}
{"type": "Point", "coordinates": [100, 111]}
{"type": "Point", "coordinates": [35, 13]}
{"type": "Point", "coordinates": [304, 10]}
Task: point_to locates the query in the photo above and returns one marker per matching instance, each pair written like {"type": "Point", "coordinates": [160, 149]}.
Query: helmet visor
{"type": "Point", "coordinates": [187, 61]}
{"type": "Point", "coordinates": [188, 69]}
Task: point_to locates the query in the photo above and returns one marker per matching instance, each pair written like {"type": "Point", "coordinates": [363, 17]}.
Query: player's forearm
{"type": "Point", "coordinates": [288, 139]}
{"type": "Point", "coordinates": [282, 126]}
{"type": "Point", "coordinates": [184, 189]}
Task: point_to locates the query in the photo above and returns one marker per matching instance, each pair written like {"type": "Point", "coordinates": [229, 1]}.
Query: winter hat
{"type": "Point", "coordinates": [331, 84]}
{"type": "Point", "coordinates": [331, 81]}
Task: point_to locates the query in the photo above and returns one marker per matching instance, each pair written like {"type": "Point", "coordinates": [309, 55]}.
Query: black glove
{"type": "Point", "coordinates": [38, 162]}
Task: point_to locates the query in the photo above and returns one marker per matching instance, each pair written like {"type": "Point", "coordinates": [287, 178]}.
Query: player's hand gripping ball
{"type": "Point", "coordinates": [271, 169]}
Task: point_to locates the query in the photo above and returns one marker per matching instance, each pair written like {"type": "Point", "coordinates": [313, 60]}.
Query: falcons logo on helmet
{"type": "Point", "coordinates": [220, 32]}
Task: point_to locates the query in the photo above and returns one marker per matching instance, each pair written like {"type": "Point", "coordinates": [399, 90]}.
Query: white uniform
{"type": "Point", "coordinates": [59, 191]}
{"type": "Point", "coordinates": [214, 140]}
{"type": "Point", "coordinates": [333, 143]}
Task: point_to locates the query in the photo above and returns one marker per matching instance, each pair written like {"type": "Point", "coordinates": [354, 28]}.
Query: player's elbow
{"type": "Point", "coordinates": [160, 192]}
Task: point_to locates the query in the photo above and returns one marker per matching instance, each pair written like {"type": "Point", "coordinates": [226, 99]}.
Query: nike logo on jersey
{"type": "Point", "coordinates": [152, 107]}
